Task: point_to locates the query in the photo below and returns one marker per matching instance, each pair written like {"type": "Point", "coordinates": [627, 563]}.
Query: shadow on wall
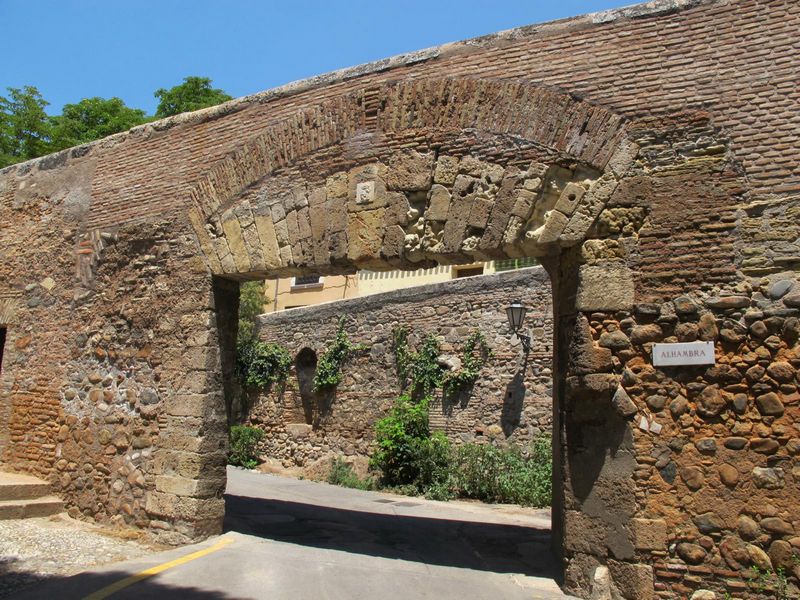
{"type": "Point", "coordinates": [511, 415]}
{"type": "Point", "coordinates": [598, 439]}
{"type": "Point", "coordinates": [601, 465]}
{"type": "Point", "coordinates": [307, 405]}
{"type": "Point", "coordinates": [460, 398]}
{"type": "Point", "coordinates": [324, 404]}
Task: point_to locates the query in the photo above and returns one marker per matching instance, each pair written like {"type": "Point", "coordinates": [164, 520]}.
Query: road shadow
{"type": "Point", "coordinates": [498, 548]}
{"type": "Point", "coordinates": [21, 585]}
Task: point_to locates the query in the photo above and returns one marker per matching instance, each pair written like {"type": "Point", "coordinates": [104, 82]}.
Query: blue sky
{"type": "Point", "coordinates": [72, 49]}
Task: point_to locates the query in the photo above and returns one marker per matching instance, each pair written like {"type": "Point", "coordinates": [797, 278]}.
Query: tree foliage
{"type": "Point", "coordinates": [193, 94]}
{"type": "Point", "coordinates": [92, 119]}
{"type": "Point", "coordinates": [24, 125]}
{"type": "Point", "coordinates": [251, 304]}
{"type": "Point", "coordinates": [27, 131]}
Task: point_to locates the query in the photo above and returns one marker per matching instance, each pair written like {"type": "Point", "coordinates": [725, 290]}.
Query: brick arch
{"type": "Point", "coordinates": [386, 131]}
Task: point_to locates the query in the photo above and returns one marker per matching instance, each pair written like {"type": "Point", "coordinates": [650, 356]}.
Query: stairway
{"type": "Point", "coordinates": [24, 496]}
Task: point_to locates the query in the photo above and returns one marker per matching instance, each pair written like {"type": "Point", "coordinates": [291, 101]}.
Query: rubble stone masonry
{"type": "Point", "coordinates": [647, 155]}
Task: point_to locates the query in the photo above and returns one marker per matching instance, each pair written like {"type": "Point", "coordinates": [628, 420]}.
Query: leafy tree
{"type": "Point", "coordinates": [251, 304]}
{"type": "Point", "coordinates": [24, 126]}
{"type": "Point", "coordinates": [194, 93]}
{"type": "Point", "coordinates": [92, 119]}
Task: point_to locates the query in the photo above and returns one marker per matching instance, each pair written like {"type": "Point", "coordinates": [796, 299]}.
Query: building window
{"type": "Point", "coordinates": [306, 282]}
{"type": "Point", "coordinates": [514, 263]}
{"type": "Point", "coordinates": [467, 272]}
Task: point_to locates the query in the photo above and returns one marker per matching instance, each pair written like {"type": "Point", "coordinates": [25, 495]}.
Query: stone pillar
{"type": "Point", "coordinates": [594, 499]}
{"type": "Point", "coordinates": [189, 462]}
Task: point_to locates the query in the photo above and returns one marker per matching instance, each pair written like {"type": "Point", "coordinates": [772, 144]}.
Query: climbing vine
{"type": "Point", "coordinates": [402, 355]}
{"type": "Point", "coordinates": [329, 367]}
{"type": "Point", "coordinates": [422, 370]}
{"type": "Point", "coordinates": [425, 370]}
{"type": "Point", "coordinates": [476, 353]}
{"type": "Point", "coordinates": [260, 364]}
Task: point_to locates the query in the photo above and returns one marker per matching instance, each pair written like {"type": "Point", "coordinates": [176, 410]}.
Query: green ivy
{"type": "Point", "coordinates": [476, 353]}
{"type": "Point", "coordinates": [422, 371]}
{"type": "Point", "coordinates": [260, 364]}
{"type": "Point", "coordinates": [329, 367]}
{"type": "Point", "coordinates": [426, 372]}
{"type": "Point", "coordinates": [402, 356]}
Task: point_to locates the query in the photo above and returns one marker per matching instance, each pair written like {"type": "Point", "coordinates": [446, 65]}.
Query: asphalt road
{"type": "Point", "coordinates": [298, 540]}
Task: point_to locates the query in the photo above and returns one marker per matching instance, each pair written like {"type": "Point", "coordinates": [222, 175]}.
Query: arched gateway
{"type": "Point", "coordinates": [119, 290]}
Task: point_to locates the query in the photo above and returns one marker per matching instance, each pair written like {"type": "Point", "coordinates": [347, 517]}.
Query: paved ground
{"type": "Point", "coordinates": [298, 540]}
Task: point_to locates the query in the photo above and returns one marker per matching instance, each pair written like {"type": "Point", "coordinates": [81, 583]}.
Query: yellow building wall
{"type": "Point", "coordinates": [377, 282]}
{"type": "Point", "coordinates": [282, 294]}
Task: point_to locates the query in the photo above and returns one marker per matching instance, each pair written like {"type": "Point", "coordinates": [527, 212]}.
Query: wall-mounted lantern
{"type": "Point", "coordinates": [516, 316]}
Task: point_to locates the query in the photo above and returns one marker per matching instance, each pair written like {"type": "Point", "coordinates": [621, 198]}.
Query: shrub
{"type": "Point", "coordinates": [433, 462]}
{"type": "Point", "coordinates": [413, 460]}
{"type": "Point", "coordinates": [492, 474]}
{"type": "Point", "coordinates": [244, 440]}
{"type": "Point", "coordinates": [343, 475]}
{"type": "Point", "coordinates": [399, 437]}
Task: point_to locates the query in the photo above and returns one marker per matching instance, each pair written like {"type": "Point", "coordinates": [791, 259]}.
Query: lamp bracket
{"type": "Point", "coordinates": [525, 340]}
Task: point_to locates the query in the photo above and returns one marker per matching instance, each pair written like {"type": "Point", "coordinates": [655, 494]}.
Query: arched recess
{"type": "Point", "coordinates": [454, 170]}
{"type": "Point", "coordinates": [305, 367]}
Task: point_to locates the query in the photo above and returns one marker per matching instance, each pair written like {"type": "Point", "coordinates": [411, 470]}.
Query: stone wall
{"type": "Point", "coordinates": [712, 451]}
{"type": "Point", "coordinates": [667, 137]}
{"type": "Point", "coordinates": [510, 403]}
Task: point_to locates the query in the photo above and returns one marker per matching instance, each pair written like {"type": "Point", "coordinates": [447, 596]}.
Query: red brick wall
{"type": "Point", "coordinates": [736, 60]}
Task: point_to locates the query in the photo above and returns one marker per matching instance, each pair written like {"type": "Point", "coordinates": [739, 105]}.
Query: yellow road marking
{"type": "Point", "coordinates": [128, 581]}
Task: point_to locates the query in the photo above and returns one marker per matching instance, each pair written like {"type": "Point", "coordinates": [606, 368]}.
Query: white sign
{"type": "Point", "coordinates": [693, 353]}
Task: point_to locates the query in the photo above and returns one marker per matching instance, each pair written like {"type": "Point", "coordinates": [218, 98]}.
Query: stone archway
{"type": "Point", "coordinates": [382, 179]}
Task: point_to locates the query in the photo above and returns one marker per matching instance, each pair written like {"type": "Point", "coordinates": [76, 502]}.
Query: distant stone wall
{"type": "Point", "coordinates": [510, 403]}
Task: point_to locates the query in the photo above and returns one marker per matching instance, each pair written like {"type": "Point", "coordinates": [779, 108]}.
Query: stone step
{"type": "Point", "coordinates": [26, 509]}
{"type": "Point", "coordinates": [15, 486]}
